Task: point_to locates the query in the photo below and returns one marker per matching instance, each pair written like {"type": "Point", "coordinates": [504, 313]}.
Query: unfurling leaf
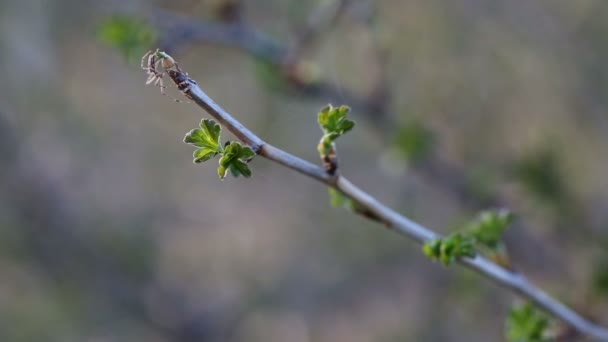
{"type": "Point", "coordinates": [235, 158]}
{"type": "Point", "coordinates": [130, 35]}
{"type": "Point", "coordinates": [450, 248]}
{"type": "Point", "coordinates": [333, 122]}
{"type": "Point", "coordinates": [490, 226]}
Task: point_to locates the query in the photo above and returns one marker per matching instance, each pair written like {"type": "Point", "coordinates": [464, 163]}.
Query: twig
{"type": "Point", "coordinates": [179, 31]}
{"type": "Point", "coordinates": [318, 22]}
{"type": "Point", "coordinates": [511, 280]}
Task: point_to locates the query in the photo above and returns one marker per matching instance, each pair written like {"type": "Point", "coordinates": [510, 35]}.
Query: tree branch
{"type": "Point", "coordinates": [511, 280]}
{"type": "Point", "coordinates": [179, 31]}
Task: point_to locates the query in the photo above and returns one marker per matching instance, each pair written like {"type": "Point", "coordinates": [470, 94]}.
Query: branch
{"type": "Point", "coordinates": [179, 31]}
{"type": "Point", "coordinates": [513, 281]}
{"type": "Point", "coordinates": [322, 17]}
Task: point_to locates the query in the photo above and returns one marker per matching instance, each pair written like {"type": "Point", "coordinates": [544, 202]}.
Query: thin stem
{"type": "Point", "coordinates": [513, 281]}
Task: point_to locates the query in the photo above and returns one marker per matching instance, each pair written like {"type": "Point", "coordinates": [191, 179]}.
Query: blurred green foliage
{"type": "Point", "coordinates": [131, 36]}
{"type": "Point", "coordinates": [132, 251]}
{"type": "Point", "coordinates": [526, 324]}
{"type": "Point", "coordinates": [415, 141]}
{"type": "Point", "coordinates": [490, 226]}
{"type": "Point", "coordinates": [269, 75]}
{"type": "Point", "coordinates": [539, 173]}
{"type": "Point", "coordinates": [600, 275]}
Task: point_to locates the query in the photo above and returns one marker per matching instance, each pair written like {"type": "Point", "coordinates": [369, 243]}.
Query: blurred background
{"type": "Point", "coordinates": [109, 232]}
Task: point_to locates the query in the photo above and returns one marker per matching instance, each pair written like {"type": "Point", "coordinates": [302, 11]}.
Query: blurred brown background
{"type": "Point", "coordinates": [108, 232]}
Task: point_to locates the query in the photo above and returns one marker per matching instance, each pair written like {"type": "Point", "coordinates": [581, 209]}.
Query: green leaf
{"type": "Point", "coordinates": [231, 152]}
{"type": "Point", "coordinates": [345, 126]}
{"type": "Point", "coordinates": [207, 136]}
{"type": "Point", "coordinates": [333, 120]}
{"type": "Point", "coordinates": [247, 153]}
{"type": "Point", "coordinates": [234, 159]}
{"type": "Point", "coordinates": [337, 199]}
{"type": "Point", "coordinates": [221, 171]}
{"type": "Point", "coordinates": [415, 141]}
{"type": "Point", "coordinates": [490, 226]}
{"type": "Point", "coordinates": [203, 154]}
{"type": "Point", "coordinates": [526, 324]}
{"type": "Point", "coordinates": [239, 168]}
{"type": "Point", "coordinates": [234, 155]}
{"type": "Point", "coordinates": [323, 117]}
{"type": "Point", "coordinates": [449, 249]}
{"type": "Point", "coordinates": [132, 36]}
{"type": "Point", "coordinates": [432, 249]}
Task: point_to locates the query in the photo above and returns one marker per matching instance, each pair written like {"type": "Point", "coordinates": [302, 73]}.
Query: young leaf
{"type": "Point", "coordinates": [489, 227]}
{"type": "Point", "coordinates": [432, 249]}
{"type": "Point", "coordinates": [337, 199]}
{"type": "Point", "coordinates": [234, 159]}
{"type": "Point", "coordinates": [239, 168]}
{"type": "Point", "coordinates": [203, 154]}
{"type": "Point", "coordinates": [221, 171]}
{"type": "Point", "coordinates": [333, 120]}
{"type": "Point", "coordinates": [449, 249]}
{"type": "Point", "coordinates": [207, 136]}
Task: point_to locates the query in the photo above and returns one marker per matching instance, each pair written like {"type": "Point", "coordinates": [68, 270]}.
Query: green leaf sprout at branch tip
{"type": "Point", "coordinates": [334, 124]}
{"type": "Point", "coordinates": [207, 140]}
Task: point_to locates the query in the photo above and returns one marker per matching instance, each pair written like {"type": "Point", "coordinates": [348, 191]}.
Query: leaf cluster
{"type": "Point", "coordinates": [334, 124]}
{"type": "Point", "coordinates": [483, 233]}
{"type": "Point", "coordinates": [234, 156]}
{"type": "Point", "coordinates": [450, 248]}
